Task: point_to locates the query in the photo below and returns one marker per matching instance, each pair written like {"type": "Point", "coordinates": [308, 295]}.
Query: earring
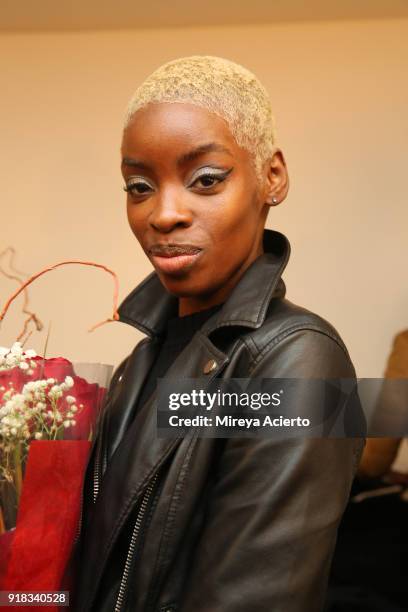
{"type": "Point", "coordinates": [274, 200]}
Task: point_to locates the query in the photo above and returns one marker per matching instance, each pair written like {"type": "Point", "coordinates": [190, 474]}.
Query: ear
{"type": "Point", "coordinates": [276, 179]}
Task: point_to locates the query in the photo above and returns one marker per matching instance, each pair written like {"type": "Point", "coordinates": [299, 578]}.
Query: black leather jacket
{"type": "Point", "coordinates": [223, 525]}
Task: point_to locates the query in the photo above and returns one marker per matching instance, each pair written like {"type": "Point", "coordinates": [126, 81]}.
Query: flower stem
{"type": "Point", "coordinates": [18, 472]}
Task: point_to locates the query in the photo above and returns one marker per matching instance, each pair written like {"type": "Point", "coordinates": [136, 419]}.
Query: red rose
{"type": "Point", "coordinates": [88, 396]}
{"type": "Point", "coordinates": [91, 396]}
{"type": "Point", "coordinates": [16, 376]}
{"type": "Point", "coordinates": [55, 367]}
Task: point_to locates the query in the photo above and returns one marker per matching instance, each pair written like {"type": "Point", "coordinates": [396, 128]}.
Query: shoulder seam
{"type": "Point", "coordinates": [287, 332]}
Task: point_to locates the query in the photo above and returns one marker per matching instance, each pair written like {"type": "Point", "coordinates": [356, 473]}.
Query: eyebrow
{"type": "Point", "coordinates": [209, 147]}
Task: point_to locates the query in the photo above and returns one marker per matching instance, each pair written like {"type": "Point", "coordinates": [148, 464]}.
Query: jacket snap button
{"type": "Point", "coordinates": [210, 366]}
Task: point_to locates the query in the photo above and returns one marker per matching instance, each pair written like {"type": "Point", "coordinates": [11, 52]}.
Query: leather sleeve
{"type": "Point", "coordinates": [272, 518]}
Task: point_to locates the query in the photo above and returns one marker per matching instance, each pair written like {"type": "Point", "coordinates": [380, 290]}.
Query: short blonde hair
{"type": "Point", "coordinates": [221, 86]}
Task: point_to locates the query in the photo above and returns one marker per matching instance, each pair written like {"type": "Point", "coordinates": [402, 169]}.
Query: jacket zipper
{"type": "Point", "coordinates": [96, 470]}
{"type": "Point", "coordinates": [96, 478]}
{"type": "Point", "coordinates": [95, 495]}
{"type": "Point", "coordinates": [138, 523]}
{"type": "Point", "coordinates": [133, 542]}
{"type": "Point", "coordinates": [79, 527]}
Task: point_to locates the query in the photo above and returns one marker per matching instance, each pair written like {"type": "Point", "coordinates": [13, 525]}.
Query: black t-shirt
{"type": "Point", "coordinates": [179, 331]}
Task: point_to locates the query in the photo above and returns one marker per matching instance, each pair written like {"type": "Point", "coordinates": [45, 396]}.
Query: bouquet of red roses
{"type": "Point", "coordinates": [49, 410]}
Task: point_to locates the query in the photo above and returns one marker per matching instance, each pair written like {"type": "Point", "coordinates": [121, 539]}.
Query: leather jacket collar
{"type": "Point", "coordinates": [149, 305]}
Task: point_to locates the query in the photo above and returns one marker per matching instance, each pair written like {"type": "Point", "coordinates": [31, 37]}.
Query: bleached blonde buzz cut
{"type": "Point", "coordinates": [221, 86]}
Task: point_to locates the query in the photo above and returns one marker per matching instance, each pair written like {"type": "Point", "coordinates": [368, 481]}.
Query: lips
{"type": "Point", "coordinates": [175, 258]}
{"type": "Point", "coordinates": [174, 250]}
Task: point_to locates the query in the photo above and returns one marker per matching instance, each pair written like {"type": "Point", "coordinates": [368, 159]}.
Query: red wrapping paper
{"type": "Point", "coordinates": [48, 517]}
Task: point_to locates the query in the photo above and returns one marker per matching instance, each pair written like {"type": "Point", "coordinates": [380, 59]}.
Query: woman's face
{"type": "Point", "coordinates": [191, 189]}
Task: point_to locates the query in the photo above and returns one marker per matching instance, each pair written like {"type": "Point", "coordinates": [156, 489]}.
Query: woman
{"type": "Point", "coordinates": [198, 524]}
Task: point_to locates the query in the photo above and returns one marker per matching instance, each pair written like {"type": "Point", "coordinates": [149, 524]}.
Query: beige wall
{"type": "Point", "coordinates": [339, 92]}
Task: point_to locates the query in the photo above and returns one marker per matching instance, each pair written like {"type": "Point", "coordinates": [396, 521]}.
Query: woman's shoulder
{"type": "Point", "coordinates": [284, 316]}
{"type": "Point", "coordinates": [292, 334]}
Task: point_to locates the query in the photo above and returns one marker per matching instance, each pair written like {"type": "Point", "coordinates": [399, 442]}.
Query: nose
{"type": "Point", "coordinates": [170, 209]}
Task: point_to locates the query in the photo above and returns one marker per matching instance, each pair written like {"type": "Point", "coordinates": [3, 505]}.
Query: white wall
{"type": "Point", "coordinates": [340, 95]}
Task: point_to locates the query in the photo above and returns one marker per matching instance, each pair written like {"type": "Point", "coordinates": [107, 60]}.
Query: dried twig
{"type": "Point", "coordinates": [12, 267]}
{"type": "Point", "coordinates": [31, 315]}
{"type": "Point", "coordinates": [115, 315]}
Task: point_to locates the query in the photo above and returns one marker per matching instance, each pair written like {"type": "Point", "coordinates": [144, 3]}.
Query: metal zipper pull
{"type": "Point", "coordinates": [133, 541]}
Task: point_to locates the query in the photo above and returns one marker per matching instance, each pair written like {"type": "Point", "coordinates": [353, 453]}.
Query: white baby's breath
{"type": "Point", "coordinates": [41, 410]}
{"type": "Point", "coordinates": [69, 381]}
{"type": "Point", "coordinates": [17, 357]}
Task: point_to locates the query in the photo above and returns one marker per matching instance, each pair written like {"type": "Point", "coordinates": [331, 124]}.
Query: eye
{"type": "Point", "coordinates": [137, 186]}
{"type": "Point", "coordinates": [209, 178]}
